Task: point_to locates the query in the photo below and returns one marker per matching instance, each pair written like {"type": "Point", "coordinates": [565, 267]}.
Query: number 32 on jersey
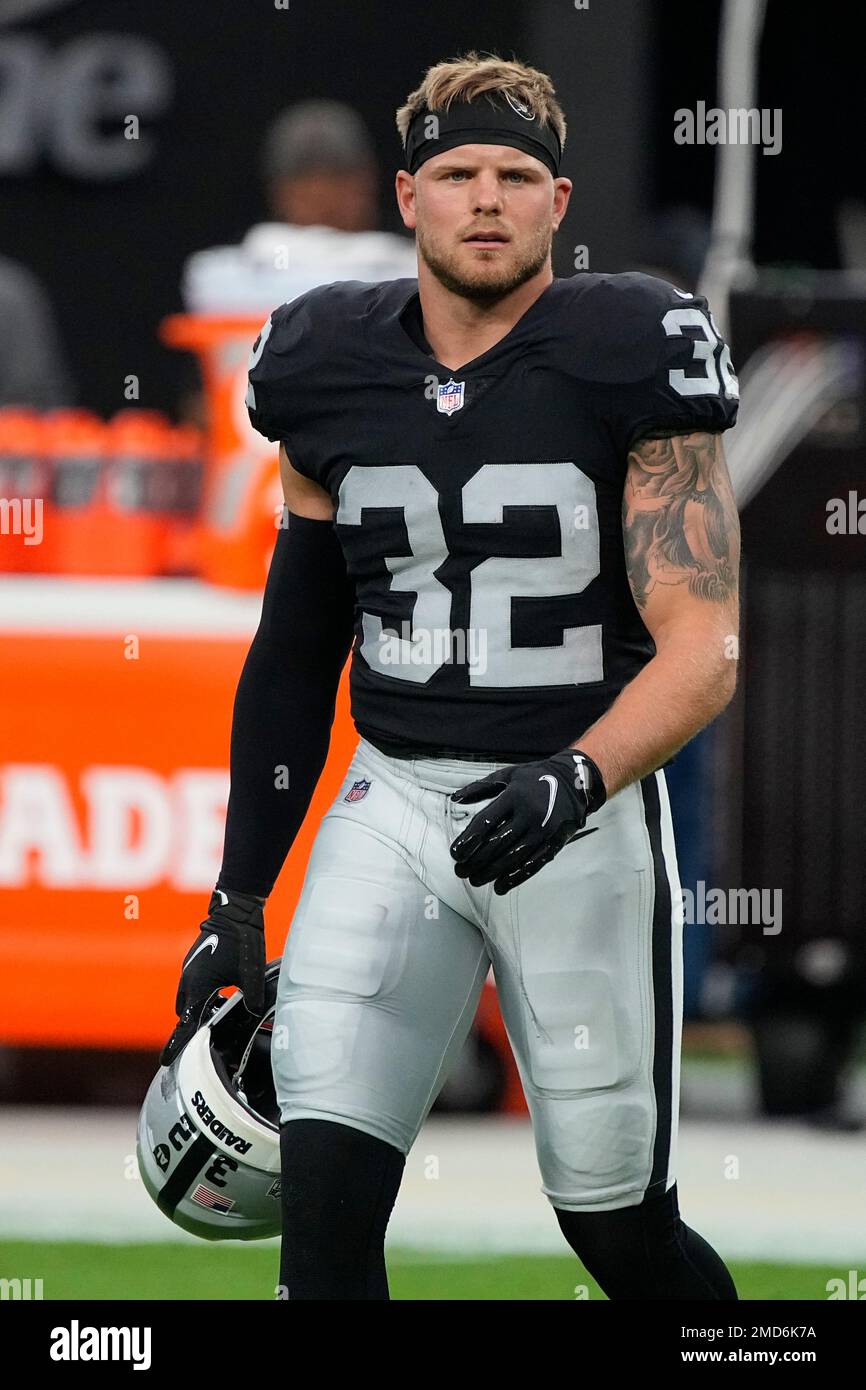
{"type": "Point", "coordinates": [494, 581]}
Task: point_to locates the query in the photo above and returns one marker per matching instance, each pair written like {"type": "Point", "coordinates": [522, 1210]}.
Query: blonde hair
{"type": "Point", "coordinates": [463, 79]}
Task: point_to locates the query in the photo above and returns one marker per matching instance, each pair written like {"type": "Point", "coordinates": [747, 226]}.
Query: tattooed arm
{"type": "Point", "coordinates": [682, 553]}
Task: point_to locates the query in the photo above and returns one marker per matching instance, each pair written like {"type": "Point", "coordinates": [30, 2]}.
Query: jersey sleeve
{"type": "Point", "coordinates": [276, 362]}
{"type": "Point", "coordinates": [677, 374]}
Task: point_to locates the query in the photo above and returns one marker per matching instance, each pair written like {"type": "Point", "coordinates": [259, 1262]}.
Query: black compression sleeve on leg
{"type": "Point", "coordinates": [284, 705]}
{"type": "Point", "coordinates": [339, 1186]}
{"type": "Point", "coordinates": [647, 1252]}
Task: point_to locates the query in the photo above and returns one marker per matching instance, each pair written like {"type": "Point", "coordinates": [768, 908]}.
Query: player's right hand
{"type": "Point", "coordinates": [229, 950]}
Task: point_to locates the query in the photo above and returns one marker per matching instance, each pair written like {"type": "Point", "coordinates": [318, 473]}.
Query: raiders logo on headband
{"type": "Point", "coordinates": [520, 107]}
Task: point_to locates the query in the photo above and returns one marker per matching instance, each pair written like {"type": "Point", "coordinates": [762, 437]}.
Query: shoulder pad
{"type": "Point", "coordinates": [297, 339]}
{"type": "Point", "coordinates": [661, 352]}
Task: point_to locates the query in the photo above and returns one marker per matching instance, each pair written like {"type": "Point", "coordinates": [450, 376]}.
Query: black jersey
{"type": "Point", "coordinates": [480, 510]}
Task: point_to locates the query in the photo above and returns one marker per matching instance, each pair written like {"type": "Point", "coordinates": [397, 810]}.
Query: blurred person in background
{"type": "Point", "coordinates": [33, 369]}
{"type": "Point", "coordinates": [321, 175]}
{"type": "Point", "coordinates": [320, 168]}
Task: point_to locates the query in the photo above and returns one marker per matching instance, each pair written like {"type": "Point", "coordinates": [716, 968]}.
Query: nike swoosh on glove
{"type": "Point", "coordinates": [229, 950]}
{"type": "Point", "coordinates": [536, 809]}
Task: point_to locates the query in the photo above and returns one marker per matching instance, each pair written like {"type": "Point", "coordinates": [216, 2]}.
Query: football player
{"type": "Point", "coordinates": [506, 493]}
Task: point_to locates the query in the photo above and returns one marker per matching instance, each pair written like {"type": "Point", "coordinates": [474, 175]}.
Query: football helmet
{"type": "Point", "coordinates": [208, 1143]}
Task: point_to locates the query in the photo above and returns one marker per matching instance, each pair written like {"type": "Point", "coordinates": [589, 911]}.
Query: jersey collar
{"type": "Point", "coordinates": [405, 302]}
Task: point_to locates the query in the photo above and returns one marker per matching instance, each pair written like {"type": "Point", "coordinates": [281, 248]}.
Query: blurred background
{"type": "Point", "coordinates": [169, 174]}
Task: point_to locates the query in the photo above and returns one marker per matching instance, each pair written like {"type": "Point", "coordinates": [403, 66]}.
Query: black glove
{"type": "Point", "coordinates": [229, 950]}
{"type": "Point", "coordinates": [539, 808]}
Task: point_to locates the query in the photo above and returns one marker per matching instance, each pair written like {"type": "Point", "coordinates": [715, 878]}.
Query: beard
{"type": "Point", "coordinates": [484, 286]}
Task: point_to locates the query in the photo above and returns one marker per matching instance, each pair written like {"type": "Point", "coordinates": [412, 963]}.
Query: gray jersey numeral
{"type": "Point", "coordinates": [496, 581]}
{"type": "Point", "coordinates": [674, 321]}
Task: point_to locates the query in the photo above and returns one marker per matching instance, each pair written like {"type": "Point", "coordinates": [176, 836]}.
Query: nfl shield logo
{"type": "Point", "coordinates": [358, 790]}
{"type": "Point", "coordinates": [450, 397]}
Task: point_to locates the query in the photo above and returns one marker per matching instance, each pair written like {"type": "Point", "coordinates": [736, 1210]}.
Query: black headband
{"type": "Point", "coordinates": [481, 122]}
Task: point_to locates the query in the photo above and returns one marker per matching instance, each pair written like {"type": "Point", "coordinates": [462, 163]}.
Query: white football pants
{"type": "Point", "coordinates": [389, 949]}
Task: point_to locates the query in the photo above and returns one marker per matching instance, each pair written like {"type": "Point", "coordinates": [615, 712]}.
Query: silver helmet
{"type": "Point", "coordinates": [208, 1141]}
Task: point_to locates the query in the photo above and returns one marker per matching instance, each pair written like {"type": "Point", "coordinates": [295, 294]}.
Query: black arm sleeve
{"type": "Point", "coordinates": [284, 705]}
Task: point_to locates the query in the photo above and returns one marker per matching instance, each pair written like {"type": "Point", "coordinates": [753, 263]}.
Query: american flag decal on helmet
{"type": "Point", "coordinates": [215, 1200]}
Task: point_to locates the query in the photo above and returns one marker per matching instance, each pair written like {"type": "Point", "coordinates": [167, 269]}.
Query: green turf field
{"type": "Point", "coordinates": [228, 1272]}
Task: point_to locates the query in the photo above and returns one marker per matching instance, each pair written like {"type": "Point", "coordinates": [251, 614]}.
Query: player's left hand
{"type": "Point", "coordinates": [536, 809]}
